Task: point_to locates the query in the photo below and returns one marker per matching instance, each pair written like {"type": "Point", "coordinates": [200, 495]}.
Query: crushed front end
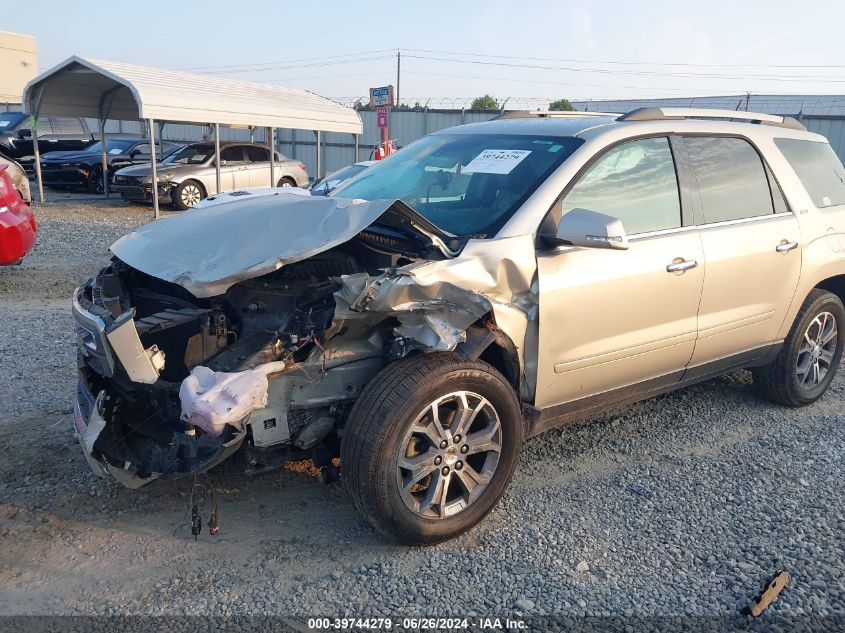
{"type": "Point", "coordinates": [142, 340]}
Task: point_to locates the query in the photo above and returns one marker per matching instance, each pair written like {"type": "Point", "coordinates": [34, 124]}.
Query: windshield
{"type": "Point", "coordinates": [113, 146]}
{"type": "Point", "coordinates": [191, 155]}
{"type": "Point", "coordinates": [9, 120]}
{"type": "Point", "coordinates": [467, 184]}
{"type": "Point", "coordinates": [331, 181]}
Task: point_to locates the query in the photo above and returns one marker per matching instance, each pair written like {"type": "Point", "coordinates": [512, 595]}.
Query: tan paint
{"type": "Point", "coordinates": [748, 285]}
{"type": "Point", "coordinates": [612, 318]}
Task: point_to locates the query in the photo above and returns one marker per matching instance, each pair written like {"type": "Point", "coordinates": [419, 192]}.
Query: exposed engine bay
{"type": "Point", "coordinates": [281, 319]}
{"type": "Point", "coordinates": [172, 382]}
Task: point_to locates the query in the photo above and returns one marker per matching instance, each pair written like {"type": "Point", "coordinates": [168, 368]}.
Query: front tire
{"type": "Point", "coordinates": [810, 356]}
{"type": "Point", "coordinates": [95, 180]}
{"type": "Point", "coordinates": [430, 446]}
{"type": "Point", "coordinates": [187, 195]}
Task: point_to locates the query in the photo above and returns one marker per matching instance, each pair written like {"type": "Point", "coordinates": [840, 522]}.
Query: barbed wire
{"type": "Point", "coordinates": [794, 103]}
{"type": "Point", "coordinates": [455, 103]}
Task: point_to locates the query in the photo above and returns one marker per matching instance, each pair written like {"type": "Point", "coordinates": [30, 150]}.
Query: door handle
{"type": "Point", "coordinates": [679, 267]}
{"type": "Point", "coordinates": [785, 247]}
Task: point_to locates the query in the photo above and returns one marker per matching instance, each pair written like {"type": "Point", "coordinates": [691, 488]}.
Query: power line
{"type": "Point", "coordinates": [690, 75]}
{"type": "Point", "coordinates": [624, 63]}
{"type": "Point", "coordinates": [297, 66]}
{"type": "Point", "coordinates": [289, 61]}
{"type": "Point", "coordinates": [529, 81]}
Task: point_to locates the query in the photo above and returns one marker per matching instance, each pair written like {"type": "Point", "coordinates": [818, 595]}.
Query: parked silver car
{"type": "Point", "coordinates": [189, 175]}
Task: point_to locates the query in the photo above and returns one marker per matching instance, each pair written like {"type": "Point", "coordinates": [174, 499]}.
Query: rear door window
{"type": "Point", "coordinates": [258, 154]}
{"type": "Point", "coordinates": [818, 167]}
{"type": "Point", "coordinates": [232, 155]}
{"type": "Point", "coordinates": [634, 182]}
{"type": "Point", "coordinates": [731, 178]}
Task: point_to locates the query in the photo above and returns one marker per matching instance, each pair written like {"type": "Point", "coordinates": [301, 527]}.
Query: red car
{"type": "Point", "coordinates": [17, 223]}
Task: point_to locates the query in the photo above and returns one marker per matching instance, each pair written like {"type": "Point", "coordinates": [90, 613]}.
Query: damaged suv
{"type": "Point", "coordinates": [486, 283]}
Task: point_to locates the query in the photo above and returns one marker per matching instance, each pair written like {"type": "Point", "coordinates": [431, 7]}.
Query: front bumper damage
{"type": "Point", "coordinates": [270, 346]}
{"type": "Point", "coordinates": [103, 353]}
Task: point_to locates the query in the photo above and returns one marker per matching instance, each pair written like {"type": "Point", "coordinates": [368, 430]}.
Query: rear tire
{"type": "Point", "coordinates": [807, 363]}
{"type": "Point", "coordinates": [187, 194]}
{"type": "Point", "coordinates": [286, 182]}
{"type": "Point", "coordinates": [426, 484]}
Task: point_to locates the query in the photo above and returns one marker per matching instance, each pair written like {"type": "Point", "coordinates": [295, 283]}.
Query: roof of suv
{"type": "Point", "coordinates": [545, 126]}
{"type": "Point", "coordinates": [651, 119]}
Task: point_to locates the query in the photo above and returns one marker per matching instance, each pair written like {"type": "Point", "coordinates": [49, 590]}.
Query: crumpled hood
{"type": "Point", "coordinates": [207, 250]}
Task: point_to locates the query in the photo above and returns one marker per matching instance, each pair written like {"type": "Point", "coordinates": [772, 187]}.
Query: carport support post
{"type": "Point", "coordinates": [319, 156]}
{"type": "Point", "coordinates": [105, 158]}
{"type": "Point", "coordinates": [152, 126]}
{"type": "Point", "coordinates": [356, 146]}
{"type": "Point", "coordinates": [37, 155]}
{"type": "Point", "coordinates": [272, 157]}
{"type": "Point", "coordinates": [217, 154]}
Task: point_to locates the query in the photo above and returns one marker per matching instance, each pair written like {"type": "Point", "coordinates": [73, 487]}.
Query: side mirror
{"type": "Point", "coordinates": [581, 227]}
{"type": "Point", "coordinates": [24, 132]}
{"type": "Point", "coordinates": [134, 153]}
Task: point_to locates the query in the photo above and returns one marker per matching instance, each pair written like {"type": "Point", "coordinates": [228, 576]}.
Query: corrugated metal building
{"type": "Point", "coordinates": [824, 114]}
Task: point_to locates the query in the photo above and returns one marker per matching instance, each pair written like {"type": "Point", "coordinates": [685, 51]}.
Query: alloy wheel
{"type": "Point", "coordinates": [815, 356]}
{"type": "Point", "coordinates": [191, 195]}
{"type": "Point", "coordinates": [449, 455]}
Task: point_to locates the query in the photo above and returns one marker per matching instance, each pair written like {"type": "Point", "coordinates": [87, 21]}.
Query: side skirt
{"type": "Point", "coordinates": [540, 420]}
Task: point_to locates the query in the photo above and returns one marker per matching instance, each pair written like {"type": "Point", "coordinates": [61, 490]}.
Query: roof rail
{"type": "Point", "coordinates": [668, 114]}
{"type": "Point", "coordinates": [552, 114]}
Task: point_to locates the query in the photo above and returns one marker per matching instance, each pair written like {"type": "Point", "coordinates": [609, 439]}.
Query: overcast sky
{"type": "Point", "coordinates": [462, 49]}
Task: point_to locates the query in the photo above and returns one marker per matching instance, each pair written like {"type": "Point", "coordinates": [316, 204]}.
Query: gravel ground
{"type": "Point", "coordinates": [669, 515]}
{"type": "Point", "coordinates": [74, 233]}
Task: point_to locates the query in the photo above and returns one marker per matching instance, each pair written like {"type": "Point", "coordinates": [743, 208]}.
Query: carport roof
{"type": "Point", "coordinates": [105, 89]}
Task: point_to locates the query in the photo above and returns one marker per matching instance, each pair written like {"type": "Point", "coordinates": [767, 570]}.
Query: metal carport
{"type": "Point", "coordinates": [113, 90]}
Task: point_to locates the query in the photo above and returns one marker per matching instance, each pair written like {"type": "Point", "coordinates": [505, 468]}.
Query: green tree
{"type": "Point", "coordinates": [484, 104]}
{"type": "Point", "coordinates": [561, 105]}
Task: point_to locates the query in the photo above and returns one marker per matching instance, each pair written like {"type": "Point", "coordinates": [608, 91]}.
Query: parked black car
{"type": "Point", "coordinates": [54, 134]}
{"type": "Point", "coordinates": [85, 167]}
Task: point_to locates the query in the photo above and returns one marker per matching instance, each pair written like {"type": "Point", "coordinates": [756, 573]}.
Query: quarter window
{"type": "Point", "coordinates": [818, 168]}
{"type": "Point", "coordinates": [731, 178]}
{"type": "Point", "coordinates": [635, 183]}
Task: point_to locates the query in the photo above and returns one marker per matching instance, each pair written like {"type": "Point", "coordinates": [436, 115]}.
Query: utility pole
{"type": "Point", "coordinates": [398, 73]}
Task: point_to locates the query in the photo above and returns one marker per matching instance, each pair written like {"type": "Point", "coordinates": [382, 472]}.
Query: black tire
{"type": "Point", "coordinates": [377, 427]}
{"type": "Point", "coordinates": [779, 381]}
{"type": "Point", "coordinates": [95, 179]}
{"type": "Point", "coordinates": [286, 182]}
{"type": "Point", "coordinates": [179, 195]}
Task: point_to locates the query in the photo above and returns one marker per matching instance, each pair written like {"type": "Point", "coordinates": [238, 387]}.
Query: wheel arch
{"type": "Point", "coordinates": [488, 343]}
{"type": "Point", "coordinates": [835, 285]}
{"type": "Point", "coordinates": [197, 182]}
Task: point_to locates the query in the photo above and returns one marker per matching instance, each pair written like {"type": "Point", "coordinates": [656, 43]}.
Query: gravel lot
{"type": "Point", "coordinates": [679, 507]}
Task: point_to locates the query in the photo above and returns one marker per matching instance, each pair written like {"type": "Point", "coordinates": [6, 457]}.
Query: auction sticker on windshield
{"type": "Point", "coordinates": [495, 161]}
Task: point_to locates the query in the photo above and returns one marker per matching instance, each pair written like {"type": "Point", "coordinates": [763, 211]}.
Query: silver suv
{"type": "Point", "coordinates": [486, 283]}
